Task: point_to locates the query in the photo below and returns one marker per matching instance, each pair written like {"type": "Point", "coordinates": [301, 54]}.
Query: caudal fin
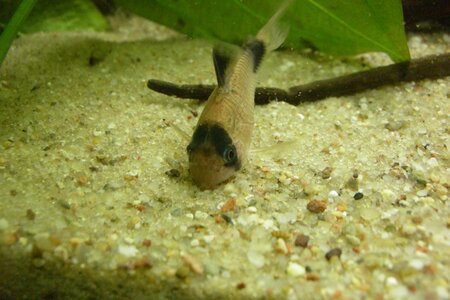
{"type": "Point", "coordinates": [274, 33]}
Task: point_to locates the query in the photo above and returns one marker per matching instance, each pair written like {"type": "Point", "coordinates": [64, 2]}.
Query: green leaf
{"type": "Point", "coordinates": [65, 15]}
{"type": "Point", "coordinates": [11, 29]}
{"type": "Point", "coordinates": [335, 27]}
{"type": "Point", "coordinates": [352, 27]}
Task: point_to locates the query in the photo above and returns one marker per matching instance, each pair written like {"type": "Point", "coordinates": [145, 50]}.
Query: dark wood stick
{"type": "Point", "coordinates": [429, 67]}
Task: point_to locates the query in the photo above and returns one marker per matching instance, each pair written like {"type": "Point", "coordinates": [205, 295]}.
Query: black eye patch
{"type": "Point", "coordinates": [198, 138]}
{"type": "Point", "coordinates": [216, 136]}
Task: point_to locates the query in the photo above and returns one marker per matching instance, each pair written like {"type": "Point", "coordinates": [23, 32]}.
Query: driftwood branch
{"type": "Point", "coordinates": [429, 67]}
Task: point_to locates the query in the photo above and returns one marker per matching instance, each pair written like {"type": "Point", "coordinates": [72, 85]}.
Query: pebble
{"type": "Point", "coordinates": [388, 195]}
{"type": "Point", "coordinates": [193, 264]}
{"type": "Point", "coordinates": [358, 196]}
{"type": "Point", "coordinates": [128, 250]}
{"type": "Point", "coordinates": [31, 215]}
{"type": "Point", "coordinates": [301, 240]}
{"type": "Point", "coordinates": [416, 264]}
{"type": "Point", "coordinates": [433, 162]}
{"type": "Point", "coordinates": [295, 269]}
{"type": "Point", "coordinates": [173, 173]}
{"type": "Point", "coordinates": [229, 205]}
{"type": "Point", "coordinates": [326, 172]}
{"type": "Point", "coordinates": [333, 194]}
{"type": "Point", "coordinates": [201, 215]}
{"type": "Point", "coordinates": [333, 252]}
{"type": "Point", "coordinates": [256, 258]}
{"type": "Point", "coordinates": [241, 285]}
{"type": "Point", "coordinates": [252, 209]}
{"type": "Point", "coordinates": [281, 246]}
{"type": "Point", "coordinates": [316, 206]}
{"type": "Point", "coordinates": [353, 240]}
{"type": "Point", "coordinates": [422, 193]}
{"type": "Point", "coordinates": [208, 238]}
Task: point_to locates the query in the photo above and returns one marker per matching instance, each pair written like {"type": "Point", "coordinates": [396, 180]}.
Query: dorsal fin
{"type": "Point", "coordinates": [258, 49]}
{"type": "Point", "coordinates": [223, 56]}
{"type": "Point", "coordinates": [221, 63]}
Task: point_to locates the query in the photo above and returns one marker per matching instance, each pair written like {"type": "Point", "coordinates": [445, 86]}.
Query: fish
{"type": "Point", "coordinates": [220, 143]}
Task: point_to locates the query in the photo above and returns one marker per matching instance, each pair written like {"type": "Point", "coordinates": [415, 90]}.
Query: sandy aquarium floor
{"type": "Point", "coordinates": [96, 201]}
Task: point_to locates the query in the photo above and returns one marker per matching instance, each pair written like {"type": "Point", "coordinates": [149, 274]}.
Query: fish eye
{"type": "Point", "coordinates": [189, 149]}
{"type": "Point", "coordinates": [229, 155]}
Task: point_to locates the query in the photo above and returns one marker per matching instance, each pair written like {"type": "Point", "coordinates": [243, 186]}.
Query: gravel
{"type": "Point", "coordinates": [96, 201]}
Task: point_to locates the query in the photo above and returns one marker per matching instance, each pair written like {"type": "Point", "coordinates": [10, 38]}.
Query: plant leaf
{"type": "Point", "coordinates": [11, 29]}
{"type": "Point", "coordinates": [65, 15]}
{"type": "Point", "coordinates": [335, 27]}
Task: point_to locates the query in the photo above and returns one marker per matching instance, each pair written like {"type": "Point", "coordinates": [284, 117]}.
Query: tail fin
{"type": "Point", "coordinates": [274, 33]}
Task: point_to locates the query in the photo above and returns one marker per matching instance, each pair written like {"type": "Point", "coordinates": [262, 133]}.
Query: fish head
{"type": "Point", "coordinates": [213, 158]}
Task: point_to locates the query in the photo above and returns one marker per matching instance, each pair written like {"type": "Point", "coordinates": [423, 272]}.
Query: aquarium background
{"type": "Point", "coordinates": [341, 198]}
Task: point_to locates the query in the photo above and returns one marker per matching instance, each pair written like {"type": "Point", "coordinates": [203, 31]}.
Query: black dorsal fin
{"type": "Point", "coordinates": [224, 55]}
{"type": "Point", "coordinates": [222, 60]}
{"type": "Point", "coordinates": [258, 49]}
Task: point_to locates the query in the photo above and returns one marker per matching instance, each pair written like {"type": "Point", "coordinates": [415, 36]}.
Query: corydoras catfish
{"type": "Point", "coordinates": [221, 139]}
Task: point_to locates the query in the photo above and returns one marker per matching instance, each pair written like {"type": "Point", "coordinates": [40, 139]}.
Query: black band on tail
{"type": "Point", "coordinates": [258, 50]}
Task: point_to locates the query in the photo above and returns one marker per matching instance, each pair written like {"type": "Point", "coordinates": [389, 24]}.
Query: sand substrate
{"type": "Point", "coordinates": [346, 198]}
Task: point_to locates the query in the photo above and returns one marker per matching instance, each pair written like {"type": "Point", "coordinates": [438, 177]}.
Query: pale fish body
{"type": "Point", "coordinates": [222, 137]}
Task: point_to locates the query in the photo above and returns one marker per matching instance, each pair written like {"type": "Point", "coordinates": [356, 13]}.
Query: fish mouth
{"type": "Point", "coordinates": [209, 172]}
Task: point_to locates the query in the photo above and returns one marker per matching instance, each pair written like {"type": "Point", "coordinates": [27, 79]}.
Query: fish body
{"type": "Point", "coordinates": [222, 137]}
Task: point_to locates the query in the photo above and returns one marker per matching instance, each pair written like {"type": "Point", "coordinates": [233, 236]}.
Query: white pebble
{"type": "Point", "coordinates": [295, 269]}
{"type": "Point", "coordinates": [268, 224]}
{"type": "Point", "coordinates": [333, 194]}
{"type": "Point", "coordinates": [422, 193]}
{"type": "Point", "coordinates": [208, 238]}
{"type": "Point", "coordinates": [252, 209]}
{"type": "Point", "coordinates": [128, 251]}
{"type": "Point", "coordinates": [416, 264]}
{"type": "Point", "coordinates": [201, 215]}
{"type": "Point", "coordinates": [442, 292]}
{"type": "Point", "coordinates": [97, 132]}
{"type": "Point", "coordinates": [195, 243]}
{"type": "Point", "coordinates": [391, 281]}
{"type": "Point", "coordinates": [255, 258]}
{"type": "Point", "coordinates": [433, 162]}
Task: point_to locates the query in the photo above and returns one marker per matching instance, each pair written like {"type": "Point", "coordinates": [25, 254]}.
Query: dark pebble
{"type": "Point", "coordinates": [31, 215]}
{"type": "Point", "coordinates": [227, 218]}
{"type": "Point", "coordinates": [301, 241]}
{"type": "Point", "coordinates": [358, 196]}
{"type": "Point", "coordinates": [240, 286]}
{"type": "Point", "coordinates": [173, 173]}
{"type": "Point", "coordinates": [326, 173]}
{"type": "Point", "coordinates": [333, 252]}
